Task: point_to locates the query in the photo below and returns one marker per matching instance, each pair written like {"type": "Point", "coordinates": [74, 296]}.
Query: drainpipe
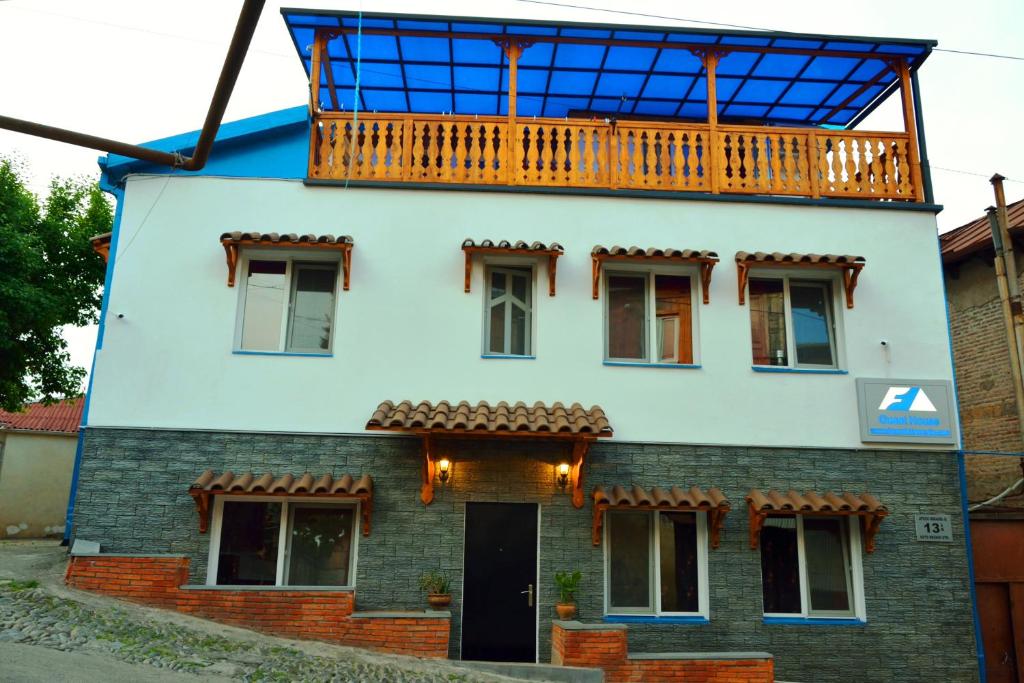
{"type": "Point", "coordinates": [244, 29]}
{"type": "Point", "coordinates": [922, 146]}
{"type": "Point", "coordinates": [1009, 297]}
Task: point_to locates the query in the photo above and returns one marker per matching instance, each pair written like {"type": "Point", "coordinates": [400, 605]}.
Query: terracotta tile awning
{"type": "Point", "coordinates": [232, 241]}
{"type": "Point", "coordinates": [574, 424]}
{"type": "Point", "coordinates": [503, 247]}
{"type": "Point", "coordinates": [761, 505]}
{"type": "Point", "coordinates": [101, 245]}
{"type": "Point", "coordinates": [706, 259]}
{"type": "Point", "coordinates": [210, 484]}
{"type": "Point", "coordinates": [675, 499]}
{"type": "Point", "coordinates": [850, 265]}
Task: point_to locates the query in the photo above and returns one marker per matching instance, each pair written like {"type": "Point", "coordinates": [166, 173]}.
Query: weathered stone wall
{"type": "Point", "coordinates": [988, 411]}
{"type": "Point", "coordinates": [134, 498]}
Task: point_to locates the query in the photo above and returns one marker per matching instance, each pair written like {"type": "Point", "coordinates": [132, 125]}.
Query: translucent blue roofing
{"type": "Point", "coordinates": [434, 64]}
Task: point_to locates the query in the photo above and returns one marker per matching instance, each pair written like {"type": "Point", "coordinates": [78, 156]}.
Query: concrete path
{"type": "Point", "coordinates": [34, 664]}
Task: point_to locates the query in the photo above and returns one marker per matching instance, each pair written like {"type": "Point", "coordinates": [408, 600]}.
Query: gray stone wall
{"type": "Point", "coordinates": [133, 498]}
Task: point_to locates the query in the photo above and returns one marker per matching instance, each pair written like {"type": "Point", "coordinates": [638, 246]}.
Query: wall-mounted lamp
{"type": "Point", "coordinates": [444, 466]}
{"type": "Point", "coordinates": [563, 475]}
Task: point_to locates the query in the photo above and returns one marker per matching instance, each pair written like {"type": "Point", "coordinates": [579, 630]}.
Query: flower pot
{"type": "Point", "coordinates": [439, 600]}
{"type": "Point", "coordinates": [566, 610]}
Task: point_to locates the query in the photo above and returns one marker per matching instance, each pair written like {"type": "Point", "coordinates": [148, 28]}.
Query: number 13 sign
{"type": "Point", "coordinates": [933, 528]}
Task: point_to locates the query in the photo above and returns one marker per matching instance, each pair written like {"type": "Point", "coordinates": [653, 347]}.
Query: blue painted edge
{"type": "Point", "coordinates": [638, 619]}
{"type": "Point", "coordinates": [282, 353]}
{"type": "Point", "coordinates": [798, 371]}
{"type": "Point", "coordinates": [501, 356]}
{"type": "Point", "coordinates": [108, 279]}
{"type": "Point", "coordinates": [673, 366]}
{"type": "Point", "coordinates": [813, 621]}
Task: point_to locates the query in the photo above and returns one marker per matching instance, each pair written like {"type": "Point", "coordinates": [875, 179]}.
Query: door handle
{"type": "Point", "coordinates": [529, 595]}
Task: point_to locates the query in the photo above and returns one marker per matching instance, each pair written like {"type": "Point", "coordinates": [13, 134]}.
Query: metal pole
{"type": "Point", "coordinates": [926, 170]}
{"type": "Point", "coordinates": [1013, 337]}
{"type": "Point", "coordinates": [244, 29]}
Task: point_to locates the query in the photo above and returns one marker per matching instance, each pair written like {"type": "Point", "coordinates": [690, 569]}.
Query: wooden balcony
{"type": "Point", "coordinates": [622, 155]}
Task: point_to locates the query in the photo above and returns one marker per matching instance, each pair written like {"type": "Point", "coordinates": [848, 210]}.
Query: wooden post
{"type": "Point", "coordinates": [910, 127]}
{"type": "Point", "coordinates": [710, 61]}
{"type": "Point", "coordinates": [513, 50]}
{"type": "Point", "coordinates": [314, 73]}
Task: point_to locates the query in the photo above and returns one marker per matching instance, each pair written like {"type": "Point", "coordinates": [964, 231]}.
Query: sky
{"type": "Point", "coordinates": [141, 70]}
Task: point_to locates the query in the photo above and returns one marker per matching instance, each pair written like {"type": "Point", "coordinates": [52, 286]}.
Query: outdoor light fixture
{"type": "Point", "coordinates": [563, 475]}
{"type": "Point", "coordinates": [444, 466]}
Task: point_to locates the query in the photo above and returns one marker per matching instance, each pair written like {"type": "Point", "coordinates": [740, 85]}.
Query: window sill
{"type": "Point", "coordinates": [671, 366]}
{"type": "Point", "coordinates": [815, 621]}
{"type": "Point", "coordinates": [799, 371]}
{"type": "Point", "coordinates": [651, 619]}
{"type": "Point", "coordinates": [282, 353]}
{"type": "Point", "coordinates": [502, 356]}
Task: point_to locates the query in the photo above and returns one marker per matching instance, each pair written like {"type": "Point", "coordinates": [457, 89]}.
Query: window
{"type": "Point", "coordinates": [656, 563]}
{"type": "Point", "coordinates": [508, 319]}
{"type": "Point", "coordinates": [810, 566]}
{"type": "Point", "coordinates": [281, 543]}
{"type": "Point", "coordinates": [287, 305]}
{"type": "Point", "coordinates": [792, 323]}
{"type": "Point", "coordinates": [649, 318]}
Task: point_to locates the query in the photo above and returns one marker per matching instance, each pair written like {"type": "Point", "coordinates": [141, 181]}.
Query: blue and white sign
{"type": "Point", "coordinates": [906, 411]}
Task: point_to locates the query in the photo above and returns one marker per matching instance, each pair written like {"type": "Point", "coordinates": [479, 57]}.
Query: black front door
{"type": "Point", "coordinates": [499, 597]}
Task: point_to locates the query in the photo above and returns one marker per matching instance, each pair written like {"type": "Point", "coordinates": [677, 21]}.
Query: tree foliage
{"type": "Point", "coordinates": [49, 277]}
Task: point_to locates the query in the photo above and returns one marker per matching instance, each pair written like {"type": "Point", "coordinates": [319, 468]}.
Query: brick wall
{"type": "Point", "coordinates": [574, 644]}
{"type": "Point", "coordinates": [316, 615]}
{"type": "Point", "coordinates": [988, 412]}
{"type": "Point", "coordinates": [917, 597]}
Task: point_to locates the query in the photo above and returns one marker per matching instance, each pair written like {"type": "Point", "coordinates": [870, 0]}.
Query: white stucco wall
{"type": "Point", "coordinates": [406, 329]}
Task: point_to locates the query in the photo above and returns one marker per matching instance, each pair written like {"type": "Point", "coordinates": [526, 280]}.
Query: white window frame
{"type": "Point", "coordinates": [283, 539]}
{"type": "Point", "coordinates": [291, 260]}
{"type": "Point", "coordinates": [852, 554]}
{"type": "Point", "coordinates": [832, 317]}
{"type": "Point", "coordinates": [518, 268]}
{"type": "Point", "coordinates": [654, 545]}
{"type": "Point", "coordinates": [650, 311]}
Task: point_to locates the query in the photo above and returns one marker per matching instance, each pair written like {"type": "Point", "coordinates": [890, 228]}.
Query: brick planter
{"type": "Point", "coordinates": [316, 614]}
{"type": "Point", "coordinates": [605, 646]}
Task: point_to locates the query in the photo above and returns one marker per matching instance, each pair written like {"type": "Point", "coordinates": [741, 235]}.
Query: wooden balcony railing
{"type": "Point", "coordinates": [627, 155]}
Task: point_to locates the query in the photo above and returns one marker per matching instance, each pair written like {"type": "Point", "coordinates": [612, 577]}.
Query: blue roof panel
{"type": "Point", "coordinates": [570, 66]}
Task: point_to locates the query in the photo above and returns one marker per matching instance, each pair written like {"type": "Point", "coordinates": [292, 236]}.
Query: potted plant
{"type": "Point", "coordinates": [438, 587]}
{"type": "Point", "coordinates": [567, 583]}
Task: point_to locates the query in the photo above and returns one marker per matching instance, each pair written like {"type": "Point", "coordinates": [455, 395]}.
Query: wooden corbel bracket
{"type": "Point", "coordinates": [716, 520]}
{"type": "Point", "coordinates": [202, 501]}
{"type": "Point", "coordinates": [870, 524]}
{"type": "Point", "coordinates": [529, 253]}
{"type": "Point", "coordinates": [705, 279]}
{"type": "Point", "coordinates": [742, 275]}
{"type": "Point", "coordinates": [366, 511]}
{"type": "Point", "coordinates": [579, 452]}
{"type": "Point", "coordinates": [757, 518]}
{"type": "Point", "coordinates": [598, 523]}
{"type": "Point", "coordinates": [850, 275]}
{"type": "Point", "coordinates": [231, 252]}
{"type": "Point", "coordinates": [427, 472]}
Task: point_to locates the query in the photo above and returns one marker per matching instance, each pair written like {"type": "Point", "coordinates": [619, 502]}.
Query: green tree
{"type": "Point", "coordinates": [49, 277]}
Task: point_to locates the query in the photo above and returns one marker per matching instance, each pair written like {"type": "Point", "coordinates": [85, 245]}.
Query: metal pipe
{"type": "Point", "coordinates": [244, 29]}
{"type": "Point", "coordinates": [922, 146]}
{"type": "Point", "coordinates": [1013, 339]}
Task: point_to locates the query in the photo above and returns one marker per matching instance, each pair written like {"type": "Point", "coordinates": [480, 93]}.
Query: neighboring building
{"type": "Point", "coordinates": [37, 457]}
{"type": "Point", "coordinates": [729, 430]}
{"type": "Point", "coordinates": [989, 418]}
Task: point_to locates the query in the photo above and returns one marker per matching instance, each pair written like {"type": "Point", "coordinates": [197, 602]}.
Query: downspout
{"type": "Point", "coordinates": [1009, 298]}
{"type": "Point", "coordinates": [240, 40]}
{"type": "Point", "coordinates": [922, 146]}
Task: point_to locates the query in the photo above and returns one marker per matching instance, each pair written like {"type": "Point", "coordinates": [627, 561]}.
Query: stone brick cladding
{"type": "Point", "coordinates": [606, 648]}
{"type": "Point", "coordinates": [134, 499]}
{"type": "Point", "coordinates": [988, 412]}
{"type": "Point", "coordinates": [316, 615]}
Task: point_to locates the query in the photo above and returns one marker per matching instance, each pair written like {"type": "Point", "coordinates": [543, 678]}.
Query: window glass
{"type": "Point", "coordinates": [265, 296]}
{"type": "Point", "coordinates": [312, 308]}
{"type": "Point", "coordinates": [509, 311]}
{"type": "Point", "coordinates": [812, 331]}
{"type": "Point", "coordinates": [321, 545]}
{"type": "Point", "coordinates": [627, 317]}
{"type": "Point", "coordinates": [780, 566]}
{"type": "Point", "coordinates": [248, 544]}
{"type": "Point", "coordinates": [768, 322]}
{"type": "Point", "coordinates": [828, 571]}
{"type": "Point", "coordinates": [677, 533]}
{"type": "Point", "coordinates": [672, 312]}
{"type": "Point", "coordinates": [629, 535]}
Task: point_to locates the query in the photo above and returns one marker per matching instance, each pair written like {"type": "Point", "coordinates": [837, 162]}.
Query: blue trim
{"type": "Point", "coordinates": [629, 364]}
{"type": "Point", "coordinates": [812, 621]}
{"type": "Point", "coordinates": [612, 619]}
{"type": "Point", "coordinates": [501, 356]}
{"type": "Point", "coordinates": [798, 371]}
{"type": "Point", "coordinates": [108, 279]}
{"type": "Point", "coordinates": [282, 353]}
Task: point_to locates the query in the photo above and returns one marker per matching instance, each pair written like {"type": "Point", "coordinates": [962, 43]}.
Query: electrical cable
{"type": "Point", "coordinates": [996, 499]}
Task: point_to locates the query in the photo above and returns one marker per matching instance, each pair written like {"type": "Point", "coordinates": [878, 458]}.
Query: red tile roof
{"type": "Point", "coordinates": [64, 416]}
{"type": "Point", "coordinates": [976, 236]}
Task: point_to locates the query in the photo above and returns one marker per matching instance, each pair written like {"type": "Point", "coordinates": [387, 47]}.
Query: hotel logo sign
{"type": "Point", "coordinates": [906, 411]}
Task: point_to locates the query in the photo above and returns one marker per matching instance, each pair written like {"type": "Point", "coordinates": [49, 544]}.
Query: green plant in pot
{"type": "Point", "coordinates": [439, 589]}
{"type": "Point", "coordinates": [568, 583]}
